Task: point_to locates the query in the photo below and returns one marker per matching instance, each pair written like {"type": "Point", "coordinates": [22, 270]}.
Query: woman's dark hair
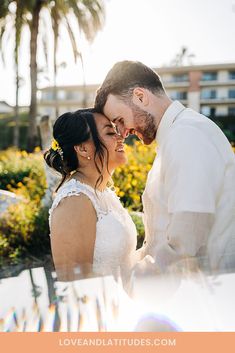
{"type": "Point", "coordinates": [70, 129]}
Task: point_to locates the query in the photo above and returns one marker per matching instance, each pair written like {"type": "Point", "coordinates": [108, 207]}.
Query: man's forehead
{"type": "Point", "coordinates": [113, 102]}
{"type": "Point", "coordinates": [111, 112]}
{"type": "Point", "coordinates": [114, 108]}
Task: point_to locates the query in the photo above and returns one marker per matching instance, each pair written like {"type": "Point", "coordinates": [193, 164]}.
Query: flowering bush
{"type": "Point", "coordinates": [130, 179]}
{"type": "Point", "coordinates": [23, 173]}
{"type": "Point", "coordinates": [24, 227]}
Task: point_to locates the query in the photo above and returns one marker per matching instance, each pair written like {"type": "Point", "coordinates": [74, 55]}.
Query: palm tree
{"type": "Point", "coordinates": [89, 15]}
{"type": "Point", "coordinates": [183, 57]}
{"type": "Point", "coordinates": [17, 17]}
{"type": "Point", "coordinates": [19, 23]}
{"type": "Point", "coordinates": [34, 8]}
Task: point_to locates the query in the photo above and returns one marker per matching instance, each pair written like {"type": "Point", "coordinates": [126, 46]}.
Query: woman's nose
{"type": "Point", "coordinates": [119, 136]}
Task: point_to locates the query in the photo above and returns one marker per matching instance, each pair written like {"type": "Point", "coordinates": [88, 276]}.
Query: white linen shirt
{"type": "Point", "coordinates": [189, 199]}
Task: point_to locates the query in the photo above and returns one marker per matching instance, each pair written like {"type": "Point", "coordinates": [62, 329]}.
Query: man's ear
{"type": "Point", "coordinates": [140, 96]}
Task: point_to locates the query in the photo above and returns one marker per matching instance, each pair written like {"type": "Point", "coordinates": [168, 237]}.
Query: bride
{"type": "Point", "coordinates": [88, 224]}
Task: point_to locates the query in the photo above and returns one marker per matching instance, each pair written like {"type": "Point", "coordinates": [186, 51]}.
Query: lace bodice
{"type": "Point", "coordinates": [116, 235]}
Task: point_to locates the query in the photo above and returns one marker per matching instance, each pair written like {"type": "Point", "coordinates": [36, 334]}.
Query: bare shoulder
{"type": "Point", "coordinates": [74, 203]}
{"type": "Point", "coordinates": [73, 231]}
{"type": "Point", "coordinates": [73, 209]}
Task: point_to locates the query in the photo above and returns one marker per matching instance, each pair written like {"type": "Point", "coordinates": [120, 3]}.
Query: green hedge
{"type": "Point", "coordinates": [24, 228]}
{"type": "Point", "coordinates": [7, 130]}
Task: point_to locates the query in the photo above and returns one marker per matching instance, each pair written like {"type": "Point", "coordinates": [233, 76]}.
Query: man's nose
{"type": "Point", "coordinates": [123, 132]}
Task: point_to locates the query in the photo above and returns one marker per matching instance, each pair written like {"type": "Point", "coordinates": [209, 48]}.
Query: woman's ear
{"type": "Point", "coordinates": [83, 150]}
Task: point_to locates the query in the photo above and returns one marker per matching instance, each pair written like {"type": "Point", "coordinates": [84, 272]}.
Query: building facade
{"type": "Point", "coordinates": [69, 98]}
{"type": "Point", "coordinates": [209, 89]}
{"type": "Point", "coordinates": [5, 108]}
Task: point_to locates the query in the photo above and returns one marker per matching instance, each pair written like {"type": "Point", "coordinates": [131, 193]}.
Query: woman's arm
{"type": "Point", "coordinates": [73, 233]}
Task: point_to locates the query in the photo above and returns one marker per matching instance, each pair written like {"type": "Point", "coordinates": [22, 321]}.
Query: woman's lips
{"type": "Point", "coordinates": [120, 148]}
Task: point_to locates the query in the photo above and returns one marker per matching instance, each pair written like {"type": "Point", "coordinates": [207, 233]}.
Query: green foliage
{"type": "Point", "coordinates": [23, 173]}
{"type": "Point", "coordinates": [137, 219]}
{"type": "Point", "coordinates": [6, 131]}
{"type": "Point", "coordinates": [24, 227]}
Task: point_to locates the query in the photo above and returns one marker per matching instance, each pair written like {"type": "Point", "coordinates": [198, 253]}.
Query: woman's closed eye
{"type": "Point", "coordinates": [112, 131]}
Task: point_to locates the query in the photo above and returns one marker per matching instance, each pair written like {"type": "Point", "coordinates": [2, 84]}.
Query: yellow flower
{"type": "Point", "coordinates": [37, 149]}
{"type": "Point", "coordinates": [24, 154]}
{"type": "Point", "coordinates": [54, 145]}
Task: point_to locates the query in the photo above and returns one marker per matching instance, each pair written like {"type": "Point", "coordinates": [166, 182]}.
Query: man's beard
{"type": "Point", "coordinates": [145, 124]}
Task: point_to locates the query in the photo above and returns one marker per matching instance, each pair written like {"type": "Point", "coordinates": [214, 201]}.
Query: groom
{"type": "Point", "coordinates": [189, 199]}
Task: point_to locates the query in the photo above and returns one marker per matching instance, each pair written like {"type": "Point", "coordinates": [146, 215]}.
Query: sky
{"type": "Point", "coordinates": [151, 31]}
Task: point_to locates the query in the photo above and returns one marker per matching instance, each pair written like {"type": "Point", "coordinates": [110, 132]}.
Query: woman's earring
{"type": "Point", "coordinates": [89, 157]}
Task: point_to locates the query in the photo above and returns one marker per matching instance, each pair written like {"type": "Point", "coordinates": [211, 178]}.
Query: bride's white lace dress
{"type": "Point", "coordinates": [116, 236]}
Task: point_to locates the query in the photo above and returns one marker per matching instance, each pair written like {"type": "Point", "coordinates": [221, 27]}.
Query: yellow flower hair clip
{"type": "Point", "coordinates": [55, 145]}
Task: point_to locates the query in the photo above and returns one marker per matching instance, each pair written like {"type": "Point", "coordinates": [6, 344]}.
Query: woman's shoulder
{"type": "Point", "coordinates": [74, 187]}
{"type": "Point", "coordinates": [67, 197]}
{"type": "Point", "coordinates": [69, 188]}
{"type": "Point", "coordinates": [74, 210]}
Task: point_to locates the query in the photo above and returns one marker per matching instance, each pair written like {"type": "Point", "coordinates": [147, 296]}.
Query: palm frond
{"type": "Point", "coordinates": [2, 32]}
{"type": "Point", "coordinates": [45, 40]}
{"type": "Point", "coordinates": [81, 17]}
{"type": "Point", "coordinates": [76, 53]}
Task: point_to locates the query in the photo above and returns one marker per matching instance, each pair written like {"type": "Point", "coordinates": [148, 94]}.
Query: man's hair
{"type": "Point", "coordinates": [123, 78]}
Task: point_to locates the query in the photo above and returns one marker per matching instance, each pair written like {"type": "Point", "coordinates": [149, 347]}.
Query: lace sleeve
{"type": "Point", "coordinates": [73, 188]}
{"type": "Point", "coordinates": [58, 199]}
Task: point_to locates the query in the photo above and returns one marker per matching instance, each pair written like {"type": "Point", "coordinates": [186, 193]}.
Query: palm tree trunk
{"type": "Point", "coordinates": [84, 83]}
{"type": "Point", "coordinates": [33, 138]}
{"type": "Point", "coordinates": [16, 127]}
{"type": "Point", "coordinates": [56, 35]}
{"type": "Point", "coordinates": [18, 31]}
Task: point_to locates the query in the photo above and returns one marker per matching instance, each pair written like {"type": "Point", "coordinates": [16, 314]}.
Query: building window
{"type": "Point", "coordinates": [48, 96]}
{"type": "Point", "coordinates": [180, 78]}
{"type": "Point", "coordinates": [231, 111]}
{"type": "Point", "coordinates": [231, 93]}
{"type": "Point", "coordinates": [208, 94]}
{"type": "Point", "coordinates": [73, 95]}
{"type": "Point", "coordinates": [61, 94]}
{"type": "Point", "coordinates": [179, 95]}
{"type": "Point", "coordinates": [205, 111]}
{"type": "Point", "coordinates": [208, 111]}
{"type": "Point", "coordinates": [209, 76]}
{"type": "Point", "coordinates": [232, 75]}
